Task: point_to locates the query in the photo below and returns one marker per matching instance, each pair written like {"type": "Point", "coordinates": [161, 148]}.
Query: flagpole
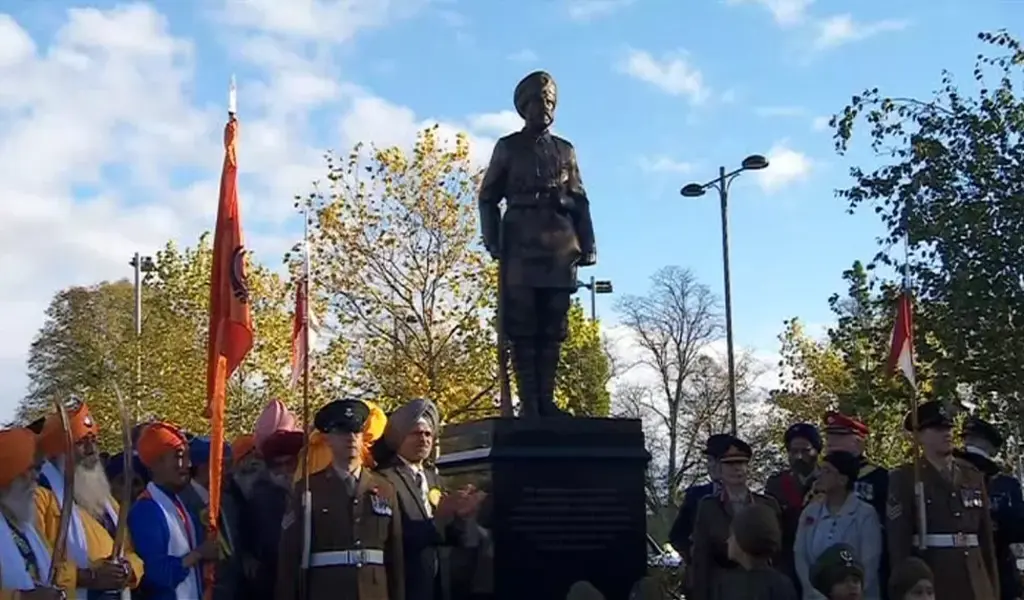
{"type": "Point", "coordinates": [919, 496]}
{"type": "Point", "coordinates": [307, 497]}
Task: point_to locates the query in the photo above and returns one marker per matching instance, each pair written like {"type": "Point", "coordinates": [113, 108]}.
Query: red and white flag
{"type": "Point", "coordinates": [303, 334]}
{"type": "Point", "coordinates": [901, 354]}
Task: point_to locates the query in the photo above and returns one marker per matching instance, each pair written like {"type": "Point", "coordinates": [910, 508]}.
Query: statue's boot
{"type": "Point", "coordinates": [548, 354]}
{"type": "Point", "coordinates": [524, 362]}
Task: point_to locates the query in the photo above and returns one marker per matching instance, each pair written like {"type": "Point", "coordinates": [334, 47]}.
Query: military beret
{"type": "Point", "coordinates": [717, 444]}
{"type": "Point", "coordinates": [835, 564]}
{"type": "Point", "coordinates": [837, 422]}
{"type": "Point", "coordinates": [976, 427]}
{"type": "Point", "coordinates": [930, 415]}
{"type": "Point", "coordinates": [734, 450]}
{"type": "Point", "coordinates": [199, 449]}
{"type": "Point", "coordinates": [806, 431]}
{"type": "Point", "coordinates": [529, 87]}
{"type": "Point", "coordinates": [342, 416]}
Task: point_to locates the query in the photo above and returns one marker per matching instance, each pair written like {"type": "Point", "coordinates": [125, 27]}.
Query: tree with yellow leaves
{"type": "Point", "coordinates": [404, 284]}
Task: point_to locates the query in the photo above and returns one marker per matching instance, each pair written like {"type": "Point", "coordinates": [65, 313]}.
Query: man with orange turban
{"type": "Point", "coordinates": [101, 575]}
{"type": "Point", "coordinates": [24, 553]}
{"type": "Point", "coordinates": [168, 536]}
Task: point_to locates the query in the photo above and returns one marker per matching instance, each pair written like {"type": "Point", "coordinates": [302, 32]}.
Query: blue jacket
{"type": "Point", "coordinates": [150, 535]}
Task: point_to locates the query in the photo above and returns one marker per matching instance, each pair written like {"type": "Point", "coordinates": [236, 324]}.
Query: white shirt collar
{"type": "Point", "coordinates": [417, 468]}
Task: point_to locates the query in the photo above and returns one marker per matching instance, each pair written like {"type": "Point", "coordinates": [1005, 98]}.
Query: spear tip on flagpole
{"type": "Point", "coordinates": [232, 97]}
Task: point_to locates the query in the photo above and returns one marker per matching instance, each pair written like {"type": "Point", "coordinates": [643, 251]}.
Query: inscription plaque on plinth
{"type": "Point", "coordinates": [566, 502]}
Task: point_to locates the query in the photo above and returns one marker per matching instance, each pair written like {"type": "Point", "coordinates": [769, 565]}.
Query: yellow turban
{"type": "Point", "coordinates": [320, 453]}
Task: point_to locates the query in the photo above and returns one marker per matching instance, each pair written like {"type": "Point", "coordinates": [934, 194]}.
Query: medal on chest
{"type": "Point", "coordinates": [865, 490]}
{"type": "Point", "coordinates": [379, 505]}
{"type": "Point", "coordinates": [971, 498]}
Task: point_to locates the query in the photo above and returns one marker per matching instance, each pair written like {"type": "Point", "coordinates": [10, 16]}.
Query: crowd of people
{"type": "Point", "coordinates": [371, 529]}
{"type": "Point", "coordinates": [834, 526]}
{"type": "Point", "coordinates": [356, 511]}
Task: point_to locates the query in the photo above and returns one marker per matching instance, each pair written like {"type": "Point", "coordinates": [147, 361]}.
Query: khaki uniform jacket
{"type": "Point", "coordinates": [952, 505]}
{"type": "Point", "coordinates": [343, 522]}
{"type": "Point", "coordinates": [711, 531]}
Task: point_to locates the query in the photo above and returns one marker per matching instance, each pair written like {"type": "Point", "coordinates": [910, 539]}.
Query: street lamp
{"type": "Point", "coordinates": [596, 287]}
{"type": "Point", "coordinates": [754, 162]}
{"type": "Point", "coordinates": [141, 264]}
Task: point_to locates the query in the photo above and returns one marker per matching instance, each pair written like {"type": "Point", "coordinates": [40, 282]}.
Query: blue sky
{"type": "Point", "coordinates": [127, 101]}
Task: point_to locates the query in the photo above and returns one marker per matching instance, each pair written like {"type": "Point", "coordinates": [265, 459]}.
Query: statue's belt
{"type": "Point", "coordinates": [553, 199]}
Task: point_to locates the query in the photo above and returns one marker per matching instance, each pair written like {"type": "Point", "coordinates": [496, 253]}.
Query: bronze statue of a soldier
{"type": "Point", "coordinates": [545, 234]}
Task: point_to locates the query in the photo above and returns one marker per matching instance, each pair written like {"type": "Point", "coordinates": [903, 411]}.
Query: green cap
{"type": "Point", "coordinates": [835, 564]}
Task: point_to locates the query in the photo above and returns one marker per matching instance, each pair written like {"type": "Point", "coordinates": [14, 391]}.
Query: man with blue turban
{"type": "Point", "coordinates": [196, 496]}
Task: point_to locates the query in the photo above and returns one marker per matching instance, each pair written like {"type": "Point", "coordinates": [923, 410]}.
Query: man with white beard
{"type": "Point", "coordinates": [100, 575]}
{"type": "Point", "coordinates": [24, 553]}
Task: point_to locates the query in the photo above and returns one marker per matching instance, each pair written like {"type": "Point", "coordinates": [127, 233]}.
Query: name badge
{"type": "Point", "coordinates": [865, 490]}
{"type": "Point", "coordinates": [971, 498]}
{"type": "Point", "coordinates": [379, 506]}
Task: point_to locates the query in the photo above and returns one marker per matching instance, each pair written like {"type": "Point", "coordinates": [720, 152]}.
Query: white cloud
{"type": "Point", "coordinates": [785, 13]}
{"type": "Point", "coordinates": [785, 166]}
{"type": "Point", "coordinates": [672, 73]}
{"type": "Point", "coordinates": [105, 151]}
{"type": "Point", "coordinates": [664, 164]}
{"type": "Point", "coordinates": [586, 10]}
{"type": "Point", "coordinates": [330, 21]}
{"type": "Point", "coordinates": [499, 123]}
{"type": "Point", "coordinates": [843, 29]}
{"type": "Point", "coordinates": [523, 56]}
{"type": "Point", "coordinates": [820, 123]}
{"type": "Point", "coordinates": [779, 111]}
{"type": "Point", "coordinates": [626, 351]}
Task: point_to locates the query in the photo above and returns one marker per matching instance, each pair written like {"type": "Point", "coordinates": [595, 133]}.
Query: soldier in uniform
{"type": "Point", "coordinates": [682, 527]}
{"type": "Point", "coordinates": [843, 432]}
{"type": "Point", "coordinates": [713, 525]}
{"type": "Point", "coordinates": [958, 527]}
{"type": "Point", "coordinates": [793, 487]}
{"type": "Point", "coordinates": [545, 234]}
{"type": "Point", "coordinates": [356, 545]}
{"type": "Point", "coordinates": [982, 442]}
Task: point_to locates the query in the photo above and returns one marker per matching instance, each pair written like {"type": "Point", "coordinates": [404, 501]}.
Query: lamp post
{"type": "Point", "coordinates": [596, 287]}
{"type": "Point", "coordinates": [141, 264]}
{"type": "Point", "coordinates": [754, 162]}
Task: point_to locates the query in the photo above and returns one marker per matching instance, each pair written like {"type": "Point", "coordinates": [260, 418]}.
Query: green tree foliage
{"type": "Point", "coordinates": [848, 370]}
{"type": "Point", "coordinates": [952, 181]}
{"type": "Point", "coordinates": [584, 368]}
{"type": "Point", "coordinates": [88, 341]}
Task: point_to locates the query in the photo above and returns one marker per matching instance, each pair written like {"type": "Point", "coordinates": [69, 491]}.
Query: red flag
{"type": "Point", "coordinates": [901, 354]}
{"type": "Point", "coordinates": [230, 333]}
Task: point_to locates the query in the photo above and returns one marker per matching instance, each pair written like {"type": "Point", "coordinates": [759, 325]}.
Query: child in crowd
{"type": "Point", "coordinates": [755, 539]}
{"type": "Point", "coordinates": [912, 580]}
{"type": "Point", "coordinates": [838, 575]}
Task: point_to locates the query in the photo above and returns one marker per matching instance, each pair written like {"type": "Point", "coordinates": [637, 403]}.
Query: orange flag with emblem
{"type": "Point", "coordinates": [230, 334]}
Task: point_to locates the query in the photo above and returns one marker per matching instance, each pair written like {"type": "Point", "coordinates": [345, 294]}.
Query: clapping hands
{"type": "Point", "coordinates": [464, 503]}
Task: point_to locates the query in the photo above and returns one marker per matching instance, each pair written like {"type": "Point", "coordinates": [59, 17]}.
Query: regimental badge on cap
{"type": "Point", "coordinates": [846, 557]}
{"type": "Point", "coordinates": [348, 412]}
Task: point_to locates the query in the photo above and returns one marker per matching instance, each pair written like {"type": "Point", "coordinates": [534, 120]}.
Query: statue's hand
{"type": "Point", "coordinates": [588, 259]}
{"type": "Point", "coordinates": [492, 250]}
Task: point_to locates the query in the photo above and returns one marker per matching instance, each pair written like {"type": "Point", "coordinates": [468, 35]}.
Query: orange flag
{"type": "Point", "coordinates": [230, 335]}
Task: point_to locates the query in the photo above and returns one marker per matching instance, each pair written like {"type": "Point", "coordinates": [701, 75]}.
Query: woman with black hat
{"type": "Point", "coordinates": [838, 516]}
{"type": "Point", "coordinates": [713, 525]}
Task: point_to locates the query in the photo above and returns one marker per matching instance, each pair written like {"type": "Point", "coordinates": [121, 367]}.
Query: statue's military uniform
{"type": "Point", "coordinates": [545, 233]}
